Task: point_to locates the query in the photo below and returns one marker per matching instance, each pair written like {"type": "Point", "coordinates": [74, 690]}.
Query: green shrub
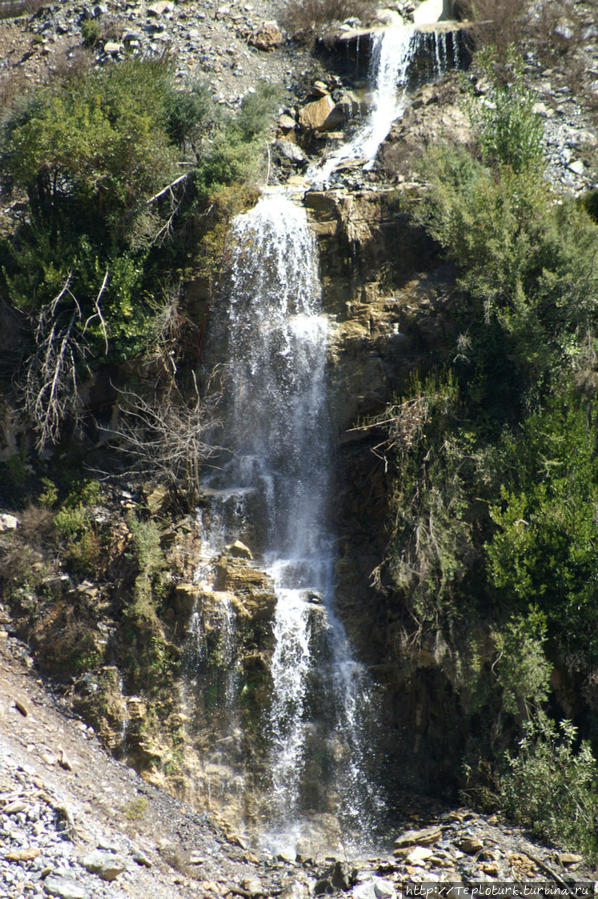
{"type": "Point", "coordinates": [551, 786]}
{"type": "Point", "coordinates": [91, 31]}
{"type": "Point", "coordinates": [235, 151]}
{"type": "Point", "coordinates": [97, 157]}
{"type": "Point", "coordinates": [506, 128]}
{"type": "Point", "coordinates": [527, 267]}
{"type": "Point", "coordinates": [190, 115]}
{"type": "Point", "coordinates": [543, 548]}
{"type": "Point", "coordinates": [521, 668]}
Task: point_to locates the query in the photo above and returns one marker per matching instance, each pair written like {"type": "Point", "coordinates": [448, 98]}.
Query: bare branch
{"type": "Point", "coordinates": [51, 382]}
{"type": "Point", "coordinates": [168, 188]}
{"type": "Point", "coordinates": [98, 312]}
{"type": "Point", "coordinates": [164, 437]}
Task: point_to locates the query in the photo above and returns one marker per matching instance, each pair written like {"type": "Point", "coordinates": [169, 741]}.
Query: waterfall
{"type": "Point", "coordinates": [392, 52]}
{"type": "Point", "coordinates": [273, 335]}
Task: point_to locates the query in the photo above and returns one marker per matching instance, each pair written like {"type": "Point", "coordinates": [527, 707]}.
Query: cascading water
{"type": "Point", "coordinates": [273, 334]}
{"type": "Point", "coordinates": [391, 55]}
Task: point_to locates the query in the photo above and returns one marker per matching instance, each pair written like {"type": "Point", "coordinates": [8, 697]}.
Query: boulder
{"type": "Point", "coordinates": [470, 845]}
{"type": "Point", "coordinates": [63, 887]}
{"type": "Point", "coordinates": [341, 113]}
{"type": "Point", "coordinates": [160, 7]}
{"type": "Point", "coordinates": [185, 599]}
{"type": "Point", "coordinates": [424, 837]}
{"type": "Point", "coordinates": [287, 150]}
{"type": "Point", "coordinates": [313, 115]}
{"type": "Point", "coordinates": [239, 550]}
{"type": "Point", "coordinates": [266, 37]}
{"type": "Point", "coordinates": [105, 864]}
{"type": "Point", "coordinates": [8, 522]}
{"type": "Point", "coordinates": [113, 48]}
{"type": "Point", "coordinates": [286, 122]}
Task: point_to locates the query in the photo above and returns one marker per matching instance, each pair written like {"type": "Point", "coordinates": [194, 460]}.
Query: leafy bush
{"type": "Point", "coordinates": [233, 155]}
{"type": "Point", "coordinates": [543, 548]}
{"type": "Point", "coordinates": [506, 127]}
{"type": "Point", "coordinates": [91, 30]}
{"type": "Point", "coordinates": [551, 786]}
{"type": "Point", "coordinates": [527, 267]}
{"type": "Point", "coordinates": [521, 668]}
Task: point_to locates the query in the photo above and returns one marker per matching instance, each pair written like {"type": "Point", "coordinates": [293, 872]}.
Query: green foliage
{"type": "Point", "coordinates": [146, 551]}
{"type": "Point", "coordinates": [111, 223]}
{"type": "Point", "coordinates": [91, 31]}
{"type": "Point", "coordinates": [527, 269]}
{"type": "Point", "coordinates": [543, 550]}
{"type": "Point", "coordinates": [431, 545]}
{"type": "Point", "coordinates": [551, 786]}
{"type": "Point", "coordinates": [74, 522]}
{"type": "Point", "coordinates": [521, 667]}
{"type": "Point", "coordinates": [233, 156]}
{"type": "Point", "coordinates": [94, 148]}
{"type": "Point", "coordinates": [507, 129]}
{"type": "Point", "coordinates": [190, 114]}
{"type": "Point", "coordinates": [146, 545]}
{"type": "Point", "coordinates": [136, 809]}
{"type": "Point", "coordinates": [493, 525]}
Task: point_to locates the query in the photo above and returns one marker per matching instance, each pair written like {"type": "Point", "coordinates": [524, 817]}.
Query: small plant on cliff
{"type": "Point", "coordinates": [507, 129]}
{"type": "Point", "coordinates": [520, 666]}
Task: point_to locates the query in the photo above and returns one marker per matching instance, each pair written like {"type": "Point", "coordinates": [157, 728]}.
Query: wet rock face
{"type": "Point", "coordinates": [388, 311]}
{"type": "Point", "coordinates": [439, 47]}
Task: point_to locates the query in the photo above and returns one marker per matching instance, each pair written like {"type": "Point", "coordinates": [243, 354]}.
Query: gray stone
{"type": "Point", "coordinates": [64, 887]}
{"type": "Point", "coordinates": [159, 8]}
{"type": "Point", "coordinates": [424, 837]}
{"type": "Point", "coordinates": [418, 855]}
{"type": "Point", "coordinates": [383, 889]}
{"type": "Point", "coordinates": [286, 122]}
{"type": "Point", "coordinates": [253, 887]}
{"type": "Point", "coordinates": [104, 864]}
{"type": "Point", "coordinates": [577, 167]}
{"type": "Point", "coordinates": [112, 48]}
{"type": "Point", "coordinates": [288, 150]}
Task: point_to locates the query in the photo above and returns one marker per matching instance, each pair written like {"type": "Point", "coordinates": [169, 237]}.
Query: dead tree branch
{"type": "Point", "coordinates": [164, 438]}
{"type": "Point", "coordinates": [51, 389]}
{"type": "Point", "coordinates": [98, 312]}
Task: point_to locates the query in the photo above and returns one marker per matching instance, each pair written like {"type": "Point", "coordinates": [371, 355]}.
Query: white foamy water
{"type": "Point", "coordinates": [273, 335]}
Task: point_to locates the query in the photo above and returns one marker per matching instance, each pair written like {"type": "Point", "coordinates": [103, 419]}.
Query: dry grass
{"type": "Point", "coordinates": [9, 9]}
{"type": "Point", "coordinates": [499, 23]}
{"type": "Point", "coordinates": [304, 17]}
{"type": "Point", "coordinates": [552, 30]}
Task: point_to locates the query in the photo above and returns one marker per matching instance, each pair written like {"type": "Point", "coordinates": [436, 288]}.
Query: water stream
{"type": "Point", "coordinates": [389, 66]}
